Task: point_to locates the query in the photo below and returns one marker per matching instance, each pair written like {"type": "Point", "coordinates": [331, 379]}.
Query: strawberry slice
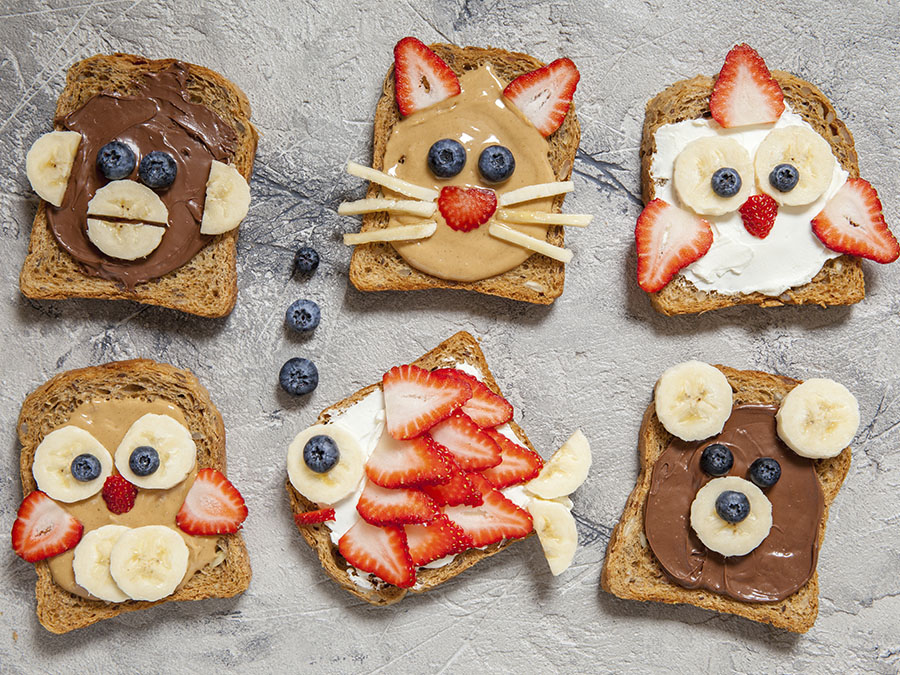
{"type": "Point", "coordinates": [43, 528]}
{"type": "Point", "coordinates": [472, 449]}
{"type": "Point", "coordinates": [745, 91]}
{"type": "Point", "coordinates": [434, 540]}
{"type": "Point", "coordinates": [852, 222]}
{"type": "Point", "coordinates": [416, 399]}
{"type": "Point", "coordinates": [486, 408]}
{"type": "Point", "coordinates": [544, 95]}
{"type": "Point", "coordinates": [519, 464]}
{"type": "Point", "coordinates": [412, 463]}
{"type": "Point", "coordinates": [495, 520]}
{"type": "Point", "coordinates": [380, 550]}
{"type": "Point", "coordinates": [758, 214]}
{"type": "Point", "coordinates": [667, 239]}
{"type": "Point", "coordinates": [421, 78]}
{"type": "Point", "coordinates": [460, 490]}
{"type": "Point", "coordinates": [313, 517]}
{"type": "Point", "coordinates": [466, 209]}
{"type": "Point", "coordinates": [212, 506]}
{"type": "Point", "coordinates": [381, 506]}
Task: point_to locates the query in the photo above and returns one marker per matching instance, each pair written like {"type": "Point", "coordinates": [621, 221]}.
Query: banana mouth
{"type": "Point", "coordinates": [126, 220]}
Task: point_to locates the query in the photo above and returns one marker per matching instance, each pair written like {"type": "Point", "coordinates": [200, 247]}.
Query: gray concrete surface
{"type": "Point", "coordinates": [312, 72]}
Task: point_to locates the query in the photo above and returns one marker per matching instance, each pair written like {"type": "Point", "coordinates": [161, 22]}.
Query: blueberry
{"type": "Point", "coordinates": [306, 260]}
{"type": "Point", "coordinates": [144, 460]}
{"type": "Point", "coordinates": [298, 376]}
{"type": "Point", "coordinates": [784, 177]}
{"type": "Point", "coordinates": [446, 158]}
{"type": "Point", "coordinates": [85, 467]}
{"type": "Point", "coordinates": [765, 472]}
{"type": "Point", "coordinates": [115, 160]}
{"type": "Point", "coordinates": [496, 163]}
{"type": "Point", "coordinates": [726, 182]}
{"type": "Point", "coordinates": [157, 170]}
{"type": "Point", "coordinates": [303, 315]}
{"type": "Point", "coordinates": [321, 453]}
{"type": "Point", "coordinates": [732, 506]}
{"type": "Point", "coordinates": [716, 460]}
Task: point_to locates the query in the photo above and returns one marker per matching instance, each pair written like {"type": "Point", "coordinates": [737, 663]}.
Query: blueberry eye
{"type": "Point", "coordinates": [726, 182]}
{"type": "Point", "coordinates": [85, 468]}
{"type": "Point", "coordinates": [784, 177]}
{"type": "Point", "coordinates": [115, 160]}
{"type": "Point", "coordinates": [716, 460]}
{"type": "Point", "coordinates": [321, 453]}
{"type": "Point", "coordinates": [157, 170]}
{"type": "Point", "coordinates": [144, 460]}
{"type": "Point", "coordinates": [446, 158]}
{"type": "Point", "coordinates": [496, 163]}
{"type": "Point", "coordinates": [765, 472]}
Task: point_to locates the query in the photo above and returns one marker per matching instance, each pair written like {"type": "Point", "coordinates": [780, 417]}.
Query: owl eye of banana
{"type": "Point", "coordinates": [709, 175]}
{"type": "Point", "coordinates": [157, 452]}
{"type": "Point", "coordinates": [793, 165]}
{"type": "Point", "coordinates": [70, 464]}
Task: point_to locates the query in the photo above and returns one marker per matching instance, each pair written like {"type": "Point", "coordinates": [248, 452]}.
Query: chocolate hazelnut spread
{"type": "Point", "coordinates": [784, 561]}
{"type": "Point", "coordinates": [158, 116]}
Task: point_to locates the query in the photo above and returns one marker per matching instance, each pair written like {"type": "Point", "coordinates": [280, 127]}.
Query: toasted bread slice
{"type": "Point", "coordinates": [50, 406]}
{"type": "Point", "coordinates": [632, 571]}
{"type": "Point", "coordinates": [207, 284]}
{"type": "Point", "coordinates": [840, 281]}
{"type": "Point", "coordinates": [460, 348]}
{"type": "Point", "coordinates": [378, 267]}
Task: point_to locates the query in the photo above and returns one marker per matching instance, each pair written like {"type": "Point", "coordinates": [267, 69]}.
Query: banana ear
{"type": "Point", "coordinates": [544, 95]}
{"type": "Point", "coordinates": [421, 77]}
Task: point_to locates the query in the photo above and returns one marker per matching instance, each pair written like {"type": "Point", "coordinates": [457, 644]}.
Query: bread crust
{"type": "Point", "coordinates": [630, 569]}
{"type": "Point", "coordinates": [378, 267]}
{"type": "Point", "coordinates": [50, 406]}
{"type": "Point", "coordinates": [207, 284]}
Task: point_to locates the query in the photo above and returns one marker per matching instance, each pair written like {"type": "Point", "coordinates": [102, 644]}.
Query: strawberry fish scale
{"type": "Point", "coordinates": [381, 551]}
{"type": "Point", "coordinates": [439, 538]}
{"type": "Point", "coordinates": [412, 463]}
{"type": "Point", "coordinates": [415, 399]}
{"type": "Point", "coordinates": [380, 506]}
{"type": "Point", "coordinates": [495, 520]}
{"type": "Point", "coordinates": [472, 449]}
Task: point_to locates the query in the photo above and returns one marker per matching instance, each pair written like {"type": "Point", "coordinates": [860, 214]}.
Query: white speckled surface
{"type": "Point", "coordinates": [313, 72]}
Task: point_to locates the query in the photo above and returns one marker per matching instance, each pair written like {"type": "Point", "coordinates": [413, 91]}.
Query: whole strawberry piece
{"type": "Point", "coordinates": [758, 214]}
{"type": "Point", "coordinates": [544, 95]}
{"type": "Point", "coordinates": [668, 239]}
{"type": "Point", "coordinates": [421, 78]}
{"type": "Point", "coordinates": [119, 494]}
{"type": "Point", "coordinates": [745, 92]}
{"type": "Point", "coordinates": [43, 528]}
{"type": "Point", "coordinates": [465, 209]}
{"type": "Point", "coordinates": [212, 506]}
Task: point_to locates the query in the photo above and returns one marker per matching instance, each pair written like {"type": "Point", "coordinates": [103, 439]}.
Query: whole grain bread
{"type": "Point", "coordinates": [378, 267]}
{"type": "Point", "coordinates": [632, 571]}
{"type": "Point", "coordinates": [207, 284]}
{"type": "Point", "coordinates": [460, 348]}
{"type": "Point", "coordinates": [840, 281]}
{"type": "Point", "coordinates": [51, 405]}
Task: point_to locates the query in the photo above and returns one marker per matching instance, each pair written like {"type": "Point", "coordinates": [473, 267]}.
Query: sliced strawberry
{"type": "Point", "coordinates": [412, 463]}
{"type": "Point", "coordinates": [486, 408]}
{"type": "Point", "coordinates": [466, 209]}
{"type": "Point", "coordinates": [416, 399]}
{"type": "Point", "coordinates": [758, 214]}
{"type": "Point", "coordinates": [745, 91]}
{"type": "Point", "coordinates": [495, 520]}
{"type": "Point", "coordinates": [212, 506]}
{"type": "Point", "coordinates": [544, 95]}
{"type": "Point", "coordinates": [421, 78]}
{"type": "Point", "coordinates": [313, 517]}
{"type": "Point", "coordinates": [472, 449]}
{"type": "Point", "coordinates": [519, 464]}
{"type": "Point", "coordinates": [667, 240]}
{"type": "Point", "coordinates": [460, 490]}
{"type": "Point", "coordinates": [852, 222]}
{"type": "Point", "coordinates": [434, 540]}
{"type": "Point", "coordinates": [43, 528]}
{"type": "Point", "coordinates": [381, 506]}
{"type": "Point", "coordinates": [380, 550]}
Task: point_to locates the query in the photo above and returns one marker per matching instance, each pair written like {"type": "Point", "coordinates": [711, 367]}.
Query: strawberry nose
{"type": "Point", "coordinates": [466, 209]}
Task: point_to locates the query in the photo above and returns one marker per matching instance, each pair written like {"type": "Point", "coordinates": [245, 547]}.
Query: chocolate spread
{"type": "Point", "coordinates": [158, 116]}
{"type": "Point", "coordinates": [784, 561]}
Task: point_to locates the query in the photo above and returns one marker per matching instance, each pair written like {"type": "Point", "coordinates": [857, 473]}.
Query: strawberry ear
{"type": "Point", "coordinates": [421, 77]}
{"type": "Point", "coordinates": [544, 95]}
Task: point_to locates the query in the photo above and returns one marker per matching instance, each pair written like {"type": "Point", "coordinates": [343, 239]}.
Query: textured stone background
{"type": "Point", "coordinates": [313, 72]}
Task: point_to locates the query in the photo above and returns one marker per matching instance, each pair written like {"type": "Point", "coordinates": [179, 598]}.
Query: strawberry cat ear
{"type": "Point", "coordinates": [421, 77]}
{"type": "Point", "coordinates": [544, 95]}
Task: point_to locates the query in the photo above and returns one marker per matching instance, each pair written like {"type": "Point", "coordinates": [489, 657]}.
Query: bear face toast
{"type": "Point", "coordinates": [473, 155]}
{"type": "Point", "coordinates": [753, 195]}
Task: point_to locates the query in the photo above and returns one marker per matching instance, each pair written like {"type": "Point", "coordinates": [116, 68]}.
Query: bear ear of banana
{"type": "Point", "coordinates": [695, 166]}
{"type": "Point", "coordinates": [227, 199]}
{"type": "Point", "coordinates": [731, 539]}
{"type": "Point", "coordinates": [148, 563]}
{"type": "Point", "coordinates": [563, 473]}
{"type": "Point", "coordinates": [173, 444]}
{"type": "Point", "coordinates": [52, 464]}
{"type": "Point", "coordinates": [818, 418]}
{"type": "Point", "coordinates": [48, 164]}
{"type": "Point", "coordinates": [333, 485]}
{"type": "Point", "coordinates": [803, 149]}
{"type": "Point", "coordinates": [91, 563]}
{"type": "Point", "coordinates": [693, 400]}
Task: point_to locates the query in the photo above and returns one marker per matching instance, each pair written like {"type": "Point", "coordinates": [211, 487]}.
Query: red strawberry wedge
{"type": "Point", "coordinates": [495, 520]}
{"type": "Point", "coordinates": [758, 214]}
{"type": "Point", "coordinates": [466, 209]}
{"type": "Point", "coordinates": [852, 222]}
{"type": "Point", "coordinates": [434, 540]}
{"type": "Point", "coordinates": [469, 446]}
{"type": "Point", "coordinates": [667, 240]}
{"type": "Point", "coordinates": [313, 517]}
{"type": "Point", "coordinates": [459, 491]}
{"type": "Point", "coordinates": [212, 506]}
{"type": "Point", "coordinates": [745, 92]}
{"type": "Point", "coordinates": [380, 550]}
{"type": "Point", "coordinates": [416, 399]}
{"type": "Point", "coordinates": [381, 506]}
{"type": "Point", "coordinates": [486, 408]}
{"type": "Point", "coordinates": [544, 95]}
{"type": "Point", "coordinates": [519, 464]}
{"type": "Point", "coordinates": [43, 528]}
{"type": "Point", "coordinates": [421, 78]}
{"type": "Point", "coordinates": [412, 463]}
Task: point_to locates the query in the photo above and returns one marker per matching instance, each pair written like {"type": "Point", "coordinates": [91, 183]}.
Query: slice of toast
{"type": "Point", "coordinates": [207, 284]}
{"type": "Point", "coordinates": [460, 348]}
{"type": "Point", "coordinates": [51, 405]}
{"type": "Point", "coordinates": [378, 267]}
{"type": "Point", "coordinates": [632, 571]}
{"type": "Point", "coordinates": [840, 281]}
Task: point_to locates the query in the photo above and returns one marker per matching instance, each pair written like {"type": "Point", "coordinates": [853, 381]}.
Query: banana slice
{"type": "Point", "coordinates": [227, 199]}
{"type": "Point", "coordinates": [172, 443]}
{"type": "Point", "coordinates": [335, 484]}
{"type": "Point", "coordinates": [52, 465]}
{"type": "Point", "coordinates": [91, 563]}
{"type": "Point", "coordinates": [555, 527]}
{"type": "Point", "coordinates": [803, 149]}
{"type": "Point", "coordinates": [693, 400]}
{"type": "Point", "coordinates": [818, 418]}
{"type": "Point", "coordinates": [48, 164]}
{"type": "Point", "coordinates": [694, 169]}
{"type": "Point", "coordinates": [723, 537]}
{"type": "Point", "coordinates": [565, 471]}
{"type": "Point", "coordinates": [130, 200]}
{"type": "Point", "coordinates": [148, 563]}
{"type": "Point", "coordinates": [125, 241]}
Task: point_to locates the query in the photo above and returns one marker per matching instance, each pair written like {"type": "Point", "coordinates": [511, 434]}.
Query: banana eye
{"type": "Point", "coordinates": [70, 464]}
{"type": "Point", "coordinates": [709, 175]}
{"type": "Point", "coordinates": [157, 452]}
{"type": "Point", "coordinates": [793, 166]}
{"type": "Point", "coordinates": [496, 163]}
